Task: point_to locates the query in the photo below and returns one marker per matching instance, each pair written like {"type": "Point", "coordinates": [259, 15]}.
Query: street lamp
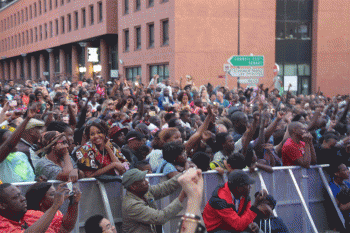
{"type": "Point", "coordinates": [238, 34]}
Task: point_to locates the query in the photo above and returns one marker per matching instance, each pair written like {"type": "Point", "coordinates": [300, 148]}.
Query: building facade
{"type": "Point", "coordinates": [136, 39]}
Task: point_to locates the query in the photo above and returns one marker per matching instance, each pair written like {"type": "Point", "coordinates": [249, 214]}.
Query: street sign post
{"type": "Point", "coordinates": [247, 72]}
{"type": "Point", "coordinates": [246, 60]}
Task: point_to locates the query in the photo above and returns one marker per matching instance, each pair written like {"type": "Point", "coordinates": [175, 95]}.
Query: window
{"type": "Point", "coordinates": [27, 36]}
{"type": "Point", "coordinates": [69, 22]}
{"type": "Point", "coordinates": [150, 3]}
{"type": "Point", "coordinates": [18, 18]}
{"type": "Point", "coordinates": [26, 13]}
{"type": "Point", "coordinates": [15, 41]}
{"type": "Point", "coordinates": [51, 31]}
{"type": "Point", "coordinates": [56, 22]}
{"type": "Point", "coordinates": [23, 42]}
{"type": "Point", "coordinates": [137, 5]}
{"type": "Point", "coordinates": [45, 27]}
{"type": "Point", "coordinates": [76, 19]}
{"type": "Point", "coordinates": [162, 70]}
{"type": "Point", "coordinates": [62, 2]}
{"type": "Point", "coordinates": [19, 40]}
{"type": "Point", "coordinates": [165, 1]}
{"type": "Point", "coordinates": [83, 17]}
{"type": "Point", "coordinates": [100, 12]}
{"type": "Point", "coordinates": [62, 25]}
{"type": "Point", "coordinates": [50, 4]}
{"type": "Point", "coordinates": [165, 32]}
{"type": "Point", "coordinates": [138, 38]}
{"type": "Point", "coordinates": [92, 15]}
{"type": "Point", "coordinates": [15, 19]}
{"type": "Point", "coordinates": [133, 73]}
{"type": "Point", "coordinates": [39, 6]}
{"type": "Point", "coordinates": [126, 40]}
{"type": "Point", "coordinates": [31, 36]}
{"type": "Point", "coordinates": [34, 9]}
{"type": "Point", "coordinates": [151, 35]}
{"type": "Point", "coordinates": [56, 3]}
{"type": "Point", "coordinates": [30, 12]}
{"type": "Point", "coordinates": [36, 34]}
{"type": "Point", "coordinates": [126, 6]}
{"type": "Point", "coordinates": [45, 9]}
{"type": "Point", "coordinates": [40, 32]}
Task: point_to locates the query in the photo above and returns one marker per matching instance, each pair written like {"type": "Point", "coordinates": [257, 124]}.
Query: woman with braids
{"type": "Point", "coordinates": [98, 156]}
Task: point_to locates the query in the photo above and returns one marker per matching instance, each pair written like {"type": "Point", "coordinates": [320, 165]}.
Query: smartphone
{"type": "Point", "coordinates": [70, 187]}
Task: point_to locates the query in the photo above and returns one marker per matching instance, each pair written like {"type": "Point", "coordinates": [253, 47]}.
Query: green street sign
{"type": "Point", "coordinates": [246, 60]}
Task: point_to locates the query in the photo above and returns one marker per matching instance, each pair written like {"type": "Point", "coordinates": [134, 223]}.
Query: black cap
{"type": "Point", "coordinates": [134, 135]}
{"type": "Point", "coordinates": [239, 178]}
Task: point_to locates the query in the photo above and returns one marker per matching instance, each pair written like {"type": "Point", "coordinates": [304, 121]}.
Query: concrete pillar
{"type": "Point", "coordinates": [75, 64]}
{"type": "Point", "coordinates": [62, 65]}
{"type": "Point", "coordinates": [104, 59]}
{"type": "Point", "coordinates": [18, 69]}
{"type": "Point", "coordinates": [51, 66]}
{"type": "Point", "coordinates": [7, 70]}
{"type": "Point", "coordinates": [12, 70]}
{"type": "Point", "coordinates": [33, 68]}
{"type": "Point", "coordinates": [25, 66]}
{"type": "Point", "coordinates": [89, 71]}
{"type": "Point", "coordinates": [42, 66]}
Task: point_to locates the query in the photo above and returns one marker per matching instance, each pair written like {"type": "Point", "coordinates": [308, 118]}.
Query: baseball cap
{"type": "Point", "coordinates": [239, 178]}
{"type": "Point", "coordinates": [133, 175]}
{"type": "Point", "coordinates": [134, 135]}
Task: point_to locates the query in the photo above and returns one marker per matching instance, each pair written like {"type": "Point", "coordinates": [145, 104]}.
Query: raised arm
{"type": "Point", "coordinates": [12, 141]}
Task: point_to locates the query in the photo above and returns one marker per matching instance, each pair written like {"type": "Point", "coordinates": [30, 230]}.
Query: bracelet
{"type": "Point", "coordinates": [188, 215]}
{"type": "Point", "coordinates": [199, 229]}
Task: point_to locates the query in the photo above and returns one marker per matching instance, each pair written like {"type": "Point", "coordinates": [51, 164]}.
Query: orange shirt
{"type": "Point", "coordinates": [25, 99]}
{"type": "Point", "coordinates": [29, 219]}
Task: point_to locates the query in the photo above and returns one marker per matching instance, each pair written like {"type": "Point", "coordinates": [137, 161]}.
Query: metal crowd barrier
{"type": "Point", "coordinates": [298, 191]}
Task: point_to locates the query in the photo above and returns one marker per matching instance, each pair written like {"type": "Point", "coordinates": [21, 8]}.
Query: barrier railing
{"type": "Point", "coordinates": [298, 191]}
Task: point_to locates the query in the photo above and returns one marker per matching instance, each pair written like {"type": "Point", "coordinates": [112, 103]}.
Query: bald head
{"type": "Point", "coordinates": [296, 128]}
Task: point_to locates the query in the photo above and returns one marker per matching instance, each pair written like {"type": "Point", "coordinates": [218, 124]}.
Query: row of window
{"type": "Point", "coordinates": [134, 73]}
{"type": "Point", "coordinates": [150, 36]}
{"type": "Point", "coordinates": [56, 27]}
{"type": "Point", "coordinates": [22, 16]}
{"type": "Point", "coordinates": [137, 5]}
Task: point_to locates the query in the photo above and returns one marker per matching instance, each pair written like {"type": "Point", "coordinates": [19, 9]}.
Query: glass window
{"type": "Point", "coordinates": [92, 15]}
{"type": "Point", "coordinates": [150, 3]}
{"type": "Point", "coordinates": [45, 26]}
{"type": "Point", "coordinates": [305, 10]}
{"type": "Point", "coordinates": [133, 73]}
{"type": "Point", "coordinates": [165, 32]}
{"type": "Point", "coordinates": [83, 17]}
{"type": "Point", "coordinates": [15, 19]}
{"type": "Point", "coordinates": [126, 40]}
{"type": "Point", "coordinates": [292, 10]}
{"type": "Point", "coordinates": [126, 6]}
{"type": "Point", "coordinates": [137, 5]}
{"type": "Point", "coordinates": [45, 6]}
{"type": "Point", "coordinates": [76, 20]}
{"type": "Point", "coordinates": [69, 17]}
{"type": "Point", "coordinates": [40, 32]}
{"type": "Point", "coordinates": [26, 13]}
{"type": "Point", "coordinates": [50, 4]}
{"type": "Point", "coordinates": [34, 9]}
{"type": "Point", "coordinates": [162, 70]}
{"type": "Point", "coordinates": [62, 25]}
{"type": "Point", "coordinates": [30, 12]}
{"type": "Point", "coordinates": [290, 70]}
{"type": "Point", "coordinates": [62, 2]}
{"type": "Point", "coordinates": [304, 70]}
{"type": "Point", "coordinates": [51, 31]}
{"type": "Point", "coordinates": [151, 35]}
{"type": "Point", "coordinates": [57, 28]}
{"type": "Point", "coordinates": [138, 37]}
{"type": "Point", "coordinates": [39, 6]}
{"type": "Point", "coordinates": [100, 12]}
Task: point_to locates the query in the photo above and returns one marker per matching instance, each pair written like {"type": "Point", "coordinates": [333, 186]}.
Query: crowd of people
{"type": "Point", "coordinates": [123, 130]}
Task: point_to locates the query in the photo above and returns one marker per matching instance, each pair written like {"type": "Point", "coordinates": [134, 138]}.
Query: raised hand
{"type": "Point", "coordinates": [192, 182]}
{"type": "Point", "coordinates": [62, 194]}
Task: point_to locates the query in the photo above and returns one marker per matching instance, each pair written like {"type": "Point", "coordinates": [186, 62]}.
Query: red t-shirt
{"type": "Point", "coordinates": [30, 218]}
{"type": "Point", "coordinates": [291, 151]}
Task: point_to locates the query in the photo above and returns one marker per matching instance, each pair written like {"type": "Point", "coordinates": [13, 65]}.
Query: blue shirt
{"type": "Point", "coordinates": [165, 168]}
{"type": "Point", "coordinates": [336, 188]}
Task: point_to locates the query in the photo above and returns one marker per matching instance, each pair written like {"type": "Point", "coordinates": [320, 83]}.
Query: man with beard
{"type": "Point", "coordinates": [140, 213]}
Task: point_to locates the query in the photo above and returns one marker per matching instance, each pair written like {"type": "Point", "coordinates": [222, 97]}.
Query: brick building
{"type": "Point", "coordinates": [174, 38]}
